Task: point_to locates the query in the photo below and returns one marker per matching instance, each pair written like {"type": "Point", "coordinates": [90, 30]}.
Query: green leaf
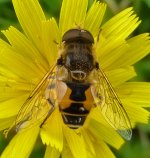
{"type": "Point", "coordinates": [147, 2]}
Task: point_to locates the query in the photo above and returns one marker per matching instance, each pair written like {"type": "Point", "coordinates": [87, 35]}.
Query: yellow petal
{"type": "Point", "coordinates": [11, 107]}
{"type": "Point", "coordinates": [136, 114]}
{"type": "Point", "coordinates": [94, 17]}
{"type": "Point", "coordinates": [22, 144]}
{"type": "Point", "coordinates": [72, 14]}
{"type": "Point", "coordinates": [108, 50]}
{"type": "Point", "coordinates": [50, 39]}
{"type": "Point", "coordinates": [66, 153]}
{"type": "Point", "coordinates": [88, 140]}
{"type": "Point", "coordinates": [120, 25]}
{"type": "Point", "coordinates": [101, 130]}
{"type": "Point", "coordinates": [113, 35]}
{"type": "Point", "coordinates": [51, 132]}
{"type": "Point", "coordinates": [6, 123]}
{"type": "Point", "coordinates": [119, 76]}
{"type": "Point", "coordinates": [102, 150]}
{"type": "Point", "coordinates": [30, 16]}
{"type": "Point", "coordinates": [136, 92]}
{"type": "Point", "coordinates": [9, 92]}
{"type": "Point", "coordinates": [7, 74]}
{"type": "Point", "coordinates": [25, 48]}
{"type": "Point", "coordinates": [75, 142]}
{"type": "Point", "coordinates": [3, 44]}
{"type": "Point", "coordinates": [113, 54]}
{"type": "Point", "coordinates": [16, 64]}
{"type": "Point", "coordinates": [51, 152]}
{"type": "Point", "coordinates": [138, 47]}
{"type": "Point", "coordinates": [10, 88]}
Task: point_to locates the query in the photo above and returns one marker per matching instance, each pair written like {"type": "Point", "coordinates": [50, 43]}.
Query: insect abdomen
{"type": "Point", "coordinates": [76, 104]}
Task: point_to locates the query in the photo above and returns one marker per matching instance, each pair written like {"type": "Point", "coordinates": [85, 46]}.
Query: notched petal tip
{"type": "Point", "coordinates": [121, 25]}
{"type": "Point", "coordinates": [72, 13]}
{"type": "Point", "coordinates": [94, 17]}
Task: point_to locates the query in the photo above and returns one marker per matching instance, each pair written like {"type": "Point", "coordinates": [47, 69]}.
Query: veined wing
{"type": "Point", "coordinates": [37, 106]}
{"type": "Point", "coordinates": [111, 107]}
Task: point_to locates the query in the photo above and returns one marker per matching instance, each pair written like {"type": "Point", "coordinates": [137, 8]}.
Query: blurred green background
{"type": "Point", "coordinates": [139, 146]}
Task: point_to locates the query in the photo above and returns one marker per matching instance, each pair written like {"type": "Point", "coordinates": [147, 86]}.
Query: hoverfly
{"type": "Point", "coordinates": [80, 85]}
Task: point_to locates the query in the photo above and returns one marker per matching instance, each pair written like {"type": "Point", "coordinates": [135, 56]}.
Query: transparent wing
{"type": "Point", "coordinates": [111, 107]}
{"type": "Point", "coordinates": [36, 108]}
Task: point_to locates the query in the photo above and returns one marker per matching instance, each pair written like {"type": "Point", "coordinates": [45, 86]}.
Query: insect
{"type": "Point", "coordinates": [80, 85]}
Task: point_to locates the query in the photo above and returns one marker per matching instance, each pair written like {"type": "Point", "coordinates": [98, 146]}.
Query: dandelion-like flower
{"type": "Point", "coordinates": [28, 56]}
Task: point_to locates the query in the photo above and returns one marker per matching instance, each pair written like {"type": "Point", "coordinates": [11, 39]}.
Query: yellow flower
{"type": "Point", "coordinates": [28, 56]}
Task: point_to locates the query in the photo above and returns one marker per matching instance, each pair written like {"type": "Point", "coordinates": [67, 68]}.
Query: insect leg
{"type": "Point", "coordinates": [50, 111]}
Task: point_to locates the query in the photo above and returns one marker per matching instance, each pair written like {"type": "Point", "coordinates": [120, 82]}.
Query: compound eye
{"type": "Point", "coordinates": [70, 61]}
